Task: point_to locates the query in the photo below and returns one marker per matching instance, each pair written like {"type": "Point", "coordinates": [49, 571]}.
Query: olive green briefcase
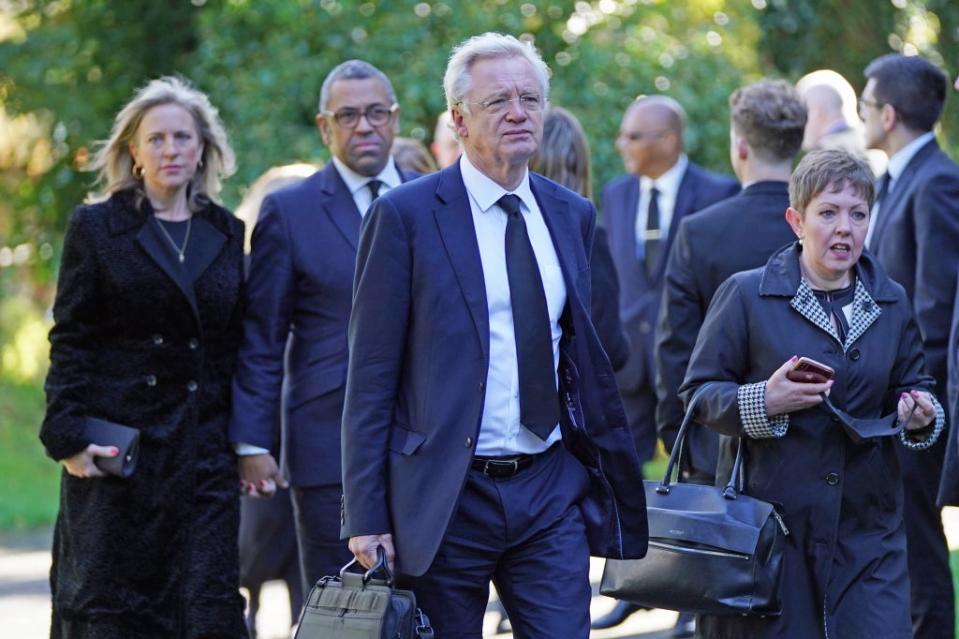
{"type": "Point", "coordinates": [356, 606]}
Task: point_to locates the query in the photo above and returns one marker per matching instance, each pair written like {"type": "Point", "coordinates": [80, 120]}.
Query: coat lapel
{"type": "Point", "coordinates": [155, 245]}
{"type": "Point", "coordinates": [891, 206]}
{"type": "Point", "coordinates": [808, 306]}
{"type": "Point", "coordinates": [205, 245]}
{"type": "Point", "coordinates": [455, 224]}
{"type": "Point", "coordinates": [865, 311]}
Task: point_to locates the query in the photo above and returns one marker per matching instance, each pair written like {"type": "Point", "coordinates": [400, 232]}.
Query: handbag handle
{"type": "Point", "coordinates": [729, 492]}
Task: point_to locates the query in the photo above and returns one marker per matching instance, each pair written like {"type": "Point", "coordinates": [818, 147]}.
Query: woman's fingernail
{"type": "Point", "coordinates": [262, 483]}
{"type": "Point", "coordinates": [114, 451]}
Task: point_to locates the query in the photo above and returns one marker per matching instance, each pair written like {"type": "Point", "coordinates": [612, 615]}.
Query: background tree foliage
{"type": "Point", "coordinates": [66, 67]}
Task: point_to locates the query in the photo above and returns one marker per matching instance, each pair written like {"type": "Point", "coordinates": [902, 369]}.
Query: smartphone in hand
{"type": "Point", "coordinates": [808, 371]}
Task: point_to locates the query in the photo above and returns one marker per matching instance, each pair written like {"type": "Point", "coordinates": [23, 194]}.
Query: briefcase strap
{"type": "Point", "coordinates": [423, 628]}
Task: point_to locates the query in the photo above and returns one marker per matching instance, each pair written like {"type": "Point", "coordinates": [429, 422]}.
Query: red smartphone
{"type": "Point", "coordinates": [809, 371]}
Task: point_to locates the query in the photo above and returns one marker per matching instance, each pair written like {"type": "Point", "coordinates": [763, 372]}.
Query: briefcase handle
{"type": "Point", "coordinates": [730, 491]}
{"type": "Point", "coordinates": [379, 565]}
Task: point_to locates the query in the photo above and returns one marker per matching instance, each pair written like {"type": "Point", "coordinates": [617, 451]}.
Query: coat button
{"type": "Point", "coordinates": [832, 479]}
{"type": "Point", "coordinates": [151, 380]}
{"type": "Point", "coordinates": [191, 386]}
{"type": "Point", "coordinates": [854, 354]}
{"type": "Point", "coordinates": [158, 339]}
{"type": "Point", "coordinates": [194, 343]}
{"type": "Point", "coordinates": [469, 442]}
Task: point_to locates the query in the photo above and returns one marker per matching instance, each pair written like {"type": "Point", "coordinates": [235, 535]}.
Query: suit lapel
{"type": "Point", "coordinates": [685, 199]}
{"type": "Point", "coordinates": [339, 205]}
{"type": "Point", "coordinates": [556, 216]}
{"type": "Point", "coordinates": [455, 224]}
{"type": "Point", "coordinates": [891, 207]}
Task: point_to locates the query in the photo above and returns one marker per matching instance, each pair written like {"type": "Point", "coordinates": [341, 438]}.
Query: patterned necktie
{"type": "Point", "coordinates": [653, 233]}
{"type": "Point", "coordinates": [374, 186]}
{"type": "Point", "coordinates": [538, 399]}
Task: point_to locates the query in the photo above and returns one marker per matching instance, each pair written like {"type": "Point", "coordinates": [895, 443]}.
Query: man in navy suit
{"type": "Point", "coordinates": [483, 436]}
{"type": "Point", "coordinates": [767, 124]}
{"type": "Point", "coordinates": [914, 231]}
{"type": "Point", "coordinates": [294, 352]}
{"type": "Point", "coordinates": [662, 179]}
{"type": "Point", "coordinates": [641, 211]}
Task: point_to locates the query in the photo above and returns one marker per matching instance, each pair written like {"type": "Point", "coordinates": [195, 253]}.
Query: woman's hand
{"type": "Point", "coordinates": [925, 411]}
{"type": "Point", "coordinates": [786, 396]}
{"type": "Point", "coordinates": [81, 465]}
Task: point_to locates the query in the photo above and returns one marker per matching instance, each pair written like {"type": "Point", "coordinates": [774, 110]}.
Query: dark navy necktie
{"type": "Point", "coordinates": [653, 232]}
{"type": "Point", "coordinates": [538, 399]}
{"type": "Point", "coordinates": [374, 186]}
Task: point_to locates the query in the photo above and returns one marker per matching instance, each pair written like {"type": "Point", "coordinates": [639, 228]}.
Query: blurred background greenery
{"type": "Point", "coordinates": [66, 67]}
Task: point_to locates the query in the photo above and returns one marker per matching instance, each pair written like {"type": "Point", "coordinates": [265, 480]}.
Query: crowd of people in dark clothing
{"type": "Point", "coordinates": [454, 359]}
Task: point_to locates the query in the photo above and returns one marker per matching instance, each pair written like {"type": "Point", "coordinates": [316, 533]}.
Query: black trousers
{"type": "Point", "coordinates": [933, 604]}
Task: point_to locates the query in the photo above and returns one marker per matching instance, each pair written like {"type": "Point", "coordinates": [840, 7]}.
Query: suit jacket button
{"type": "Point", "coordinates": [194, 343]}
{"type": "Point", "coordinates": [854, 354]}
{"type": "Point", "coordinates": [469, 442]}
{"type": "Point", "coordinates": [832, 479]}
{"type": "Point", "coordinates": [157, 339]}
{"type": "Point", "coordinates": [151, 380]}
{"type": "Point", "coordinates": [191, 386]}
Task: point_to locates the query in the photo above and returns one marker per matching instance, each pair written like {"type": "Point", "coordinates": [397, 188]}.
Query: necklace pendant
{"type": "Point", "coordinates": [182, 257]}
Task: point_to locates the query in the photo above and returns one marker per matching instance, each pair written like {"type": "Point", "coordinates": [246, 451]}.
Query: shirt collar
{"type": "Point", "coordinates": [354, 181]}
{"type": "Point", "coordinates": [485, 192]}
{"type": "Point", "coordinates": [900, 159]}
{"type": "Point", "coordinates": [668, 182]}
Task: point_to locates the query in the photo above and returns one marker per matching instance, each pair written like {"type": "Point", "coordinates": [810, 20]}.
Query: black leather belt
{"type": "Point", "coordinates": [500, 467]}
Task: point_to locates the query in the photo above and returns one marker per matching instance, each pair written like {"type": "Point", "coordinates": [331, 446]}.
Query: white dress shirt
{"type": "Point", "coordinates": [356, 183]}
{"type": "Point", "coordinates": [668, 186]}
{"type": "Point", "coordinates": [897, 164]}
{"type": "Point", "coordinates": [500, 430]}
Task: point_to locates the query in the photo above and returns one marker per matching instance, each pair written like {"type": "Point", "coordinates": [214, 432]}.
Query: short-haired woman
{"type": "Point", "coordinates": [824, 462]}
{"type": "Point", "coordinates": [147, 325]}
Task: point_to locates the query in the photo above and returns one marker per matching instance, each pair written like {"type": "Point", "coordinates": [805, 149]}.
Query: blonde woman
{"type": "Point", "coordinates": [147, 324]}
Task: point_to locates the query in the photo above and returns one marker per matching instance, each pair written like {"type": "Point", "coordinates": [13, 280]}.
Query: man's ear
{"type": "Point", "coordinates": [795, 221]}
{"type": "Point", "coordinates": [459, 124]}
{"type": "Point", "coordinates": [324, 126]}
{"type": "Point", "coordinates": [742, 149]}
{"type": "Point", "coordinates": [888, 117]}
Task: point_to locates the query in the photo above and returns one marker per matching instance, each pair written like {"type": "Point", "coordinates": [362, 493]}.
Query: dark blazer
{"type": "Point", "coordinates": [419, 342]}
{"type": "Point", "coordinates": [639, 293]}
{"type": "Point", "coordinates": [300, 294]}
{"type": "Point", "coordinates": [141, 340]}
{"type": "Point", "coordinates": [604, 307]}
{"type": "Point", "coordinates": [733, 235]}
{"type": "Point", "coordinates": [841, 501]}
{"type": "Point", "coordinates": [949, 487]}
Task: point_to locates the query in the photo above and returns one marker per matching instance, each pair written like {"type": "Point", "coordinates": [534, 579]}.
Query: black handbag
{"type": "Point", "coordinates": [356, 606]}
{"type": "Point", "coordinates": [712, 549]}
{"type": "Point", "coordinates": [124, 438]}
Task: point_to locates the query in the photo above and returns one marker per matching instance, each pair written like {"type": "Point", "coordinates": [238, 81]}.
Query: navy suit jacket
{"type": "Point", "coordinates": [419, 341]}
{"type": "Point", "coordinates": [294, 349]}
{"type": "Point", "coordinates": [639, 292]}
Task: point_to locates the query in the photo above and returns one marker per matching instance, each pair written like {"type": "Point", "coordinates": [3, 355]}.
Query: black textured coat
{"type": "Point", "coordinates": [144, 341]}
{"type": "Point", "coordinates": [844, 566]}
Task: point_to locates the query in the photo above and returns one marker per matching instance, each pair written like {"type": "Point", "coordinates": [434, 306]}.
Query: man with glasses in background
{"type": "Point", "coordinates": [294, 352]}
{"type": "Point", "coordinates": [914, 232]}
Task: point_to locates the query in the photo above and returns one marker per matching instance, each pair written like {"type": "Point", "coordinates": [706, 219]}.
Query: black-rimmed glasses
{"type": "Point", "coordinates": [376, 115]}
{"type": "Point", "coordinates": [863, 102]}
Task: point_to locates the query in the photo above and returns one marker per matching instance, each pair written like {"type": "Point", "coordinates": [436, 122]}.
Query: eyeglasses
{"type": "Point", "coordinates": [863, 102]}
{"type": "Point", "coordinates": [497, 106]}
{"type": "Point", "coordinates": [376, 115]}
{"type": "Point", "coordinates": [639, 136]}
